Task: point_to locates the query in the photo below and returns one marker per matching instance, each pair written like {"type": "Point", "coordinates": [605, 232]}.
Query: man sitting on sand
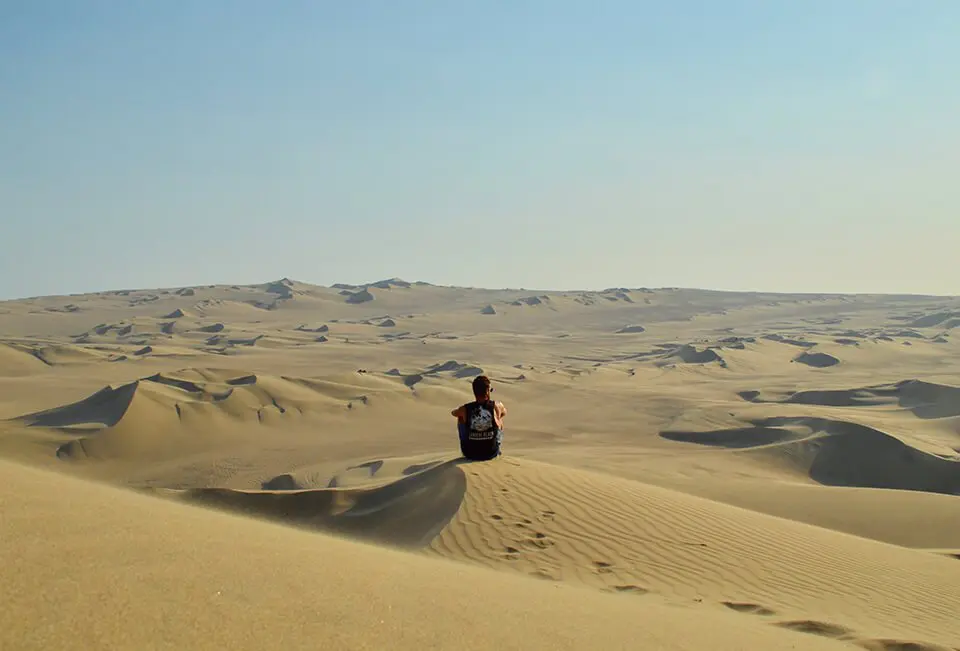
{"type": "Point", "coordinates": [480, 423]}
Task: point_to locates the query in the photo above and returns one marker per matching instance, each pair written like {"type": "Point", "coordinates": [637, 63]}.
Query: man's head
{"type": "Point", "coordinates": [481, 387]}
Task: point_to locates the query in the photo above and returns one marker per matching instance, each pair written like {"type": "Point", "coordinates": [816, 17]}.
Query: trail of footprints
{"type": "Point", "coordinates": [534, 541]}
{"type": "Point", "coordinates": [826, 629]}
{"type": "Point", "coordinates": [537, 540]}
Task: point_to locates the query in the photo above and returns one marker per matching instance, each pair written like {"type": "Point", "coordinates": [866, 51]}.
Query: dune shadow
{"type": "Point", "coordinates": [837, 453]}
{"type": "Point", "coordinates": [925, 400]}
{"type": "Point", "coordinates": [105, 408]}
{"type": "Point", "coordinates": [408, 512]}
{"type": "Point", "coordinates": [816, 360]}
{"type": "Point", "coordinates": [864, 397]}
{"type": "Point", "coordinates": [928, 400]}
{"type": "Point", "coordinates": [740, 437]}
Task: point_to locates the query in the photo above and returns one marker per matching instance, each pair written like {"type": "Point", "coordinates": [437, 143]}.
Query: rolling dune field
{"type": "Point", "coordinates": [276, 466]}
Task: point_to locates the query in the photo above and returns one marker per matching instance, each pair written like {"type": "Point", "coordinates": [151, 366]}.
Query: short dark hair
{"type": "Point", "coordinates": [481, 384]}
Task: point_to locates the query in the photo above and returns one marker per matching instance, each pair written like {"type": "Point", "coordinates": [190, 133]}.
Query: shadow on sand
{"type": "Point", "coordinates": [407, 512]}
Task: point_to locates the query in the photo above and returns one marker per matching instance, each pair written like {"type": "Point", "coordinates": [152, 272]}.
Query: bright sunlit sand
{"type": "Point", "coordinates": [276, 464]}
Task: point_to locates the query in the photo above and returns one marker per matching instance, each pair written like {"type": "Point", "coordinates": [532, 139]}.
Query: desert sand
{"type": "Point", "coordinates": [275, 466]}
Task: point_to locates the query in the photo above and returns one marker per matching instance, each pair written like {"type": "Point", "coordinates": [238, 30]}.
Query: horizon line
{"type": "Point", "coordinates": [397, 279]}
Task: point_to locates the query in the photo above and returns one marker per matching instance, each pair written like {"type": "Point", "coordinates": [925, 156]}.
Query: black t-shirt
{"type": "Point", "coordinates": [481, 436]}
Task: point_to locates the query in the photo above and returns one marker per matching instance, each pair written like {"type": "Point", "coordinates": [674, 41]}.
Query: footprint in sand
{"type": "Point", "coordinates": [814, 627]}
{"type": "Point", "coordinates": [602, 567]}
{"type": "Point", "coordinates": [540, 540]}
{"type": "Point", "coordinates": [754, 609]}
{"type": "Point", "coordinates": [547, 515]}
{"type": "Point", "coordinates": [632, 589]}
{"type": "Point", "coordinates": [496, 516]}
{"type": "Point", "coordinates": [901, 645]}
{"type": "Point", "coordinates": [543, 574]}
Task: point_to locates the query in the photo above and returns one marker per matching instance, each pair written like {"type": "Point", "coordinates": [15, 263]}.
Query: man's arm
{"type": "Point", "coordinates": [459, 413]}
{"type": "Point", "coordinates": [503, 409]}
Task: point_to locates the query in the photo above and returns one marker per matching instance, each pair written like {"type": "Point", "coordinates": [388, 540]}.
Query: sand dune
{"type": "Point", "coordinates": [391, 283]}
{"type": "Point", "coordinates": [176, 411]}
{"type": "Point", "coordinates": [65, 354]}
{"type": "Point", "coordinates": [923, 399]}
{"type": "Point", "coordinates": [305, 328]}
{"type": "Point", "coordinates": [838, 453]}
{"type": "Point", "coordinates": [409, 511]}
{"type": "Point", "coordinates": [613, 534]}
{"type": "Point", "coordinates": [792, 342]}
{"type": "Point", "coordinates": [817, 360]}
{"type": "Point", "coordinates": [568, 525]}
{"type": "Point", "coordinates": [745, 470]}
{"type": "Point", "coordinates": [942, 319]}
{"type": "Point", "coordinates": [531, 301]}
{"type": "Point", "coordinates": [689, 354]}
{"type": "Point", "coordinates": [16, 361]}
{"type": "Point", "coordinates": [361, 296]}
{"type": "Point", "coordinates": [894, 516]}
{"type": "Point", "coordinates": [306, 590]}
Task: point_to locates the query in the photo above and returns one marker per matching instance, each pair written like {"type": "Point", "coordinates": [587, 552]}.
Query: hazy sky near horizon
{"type": "Point", "coordinates": [783, 146]}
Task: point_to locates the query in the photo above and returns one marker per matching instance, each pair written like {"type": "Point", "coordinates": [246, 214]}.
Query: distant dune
{"type": "Point", "coordinates": [817, 360]}
{"type": "Point", "coordinates": [839, 453]}
{"type": "Point", "coordinates": [941, 319]}
{"type": "Point", "coordinates": [391, 283]}
{"type": "Point", "coordinates": [15, 361]}
{"type": "Point", "coordinates": [361, 296]}
{"type": "Point", "coordinates": [165, 412]}
{"type": "Point", "coordinates": [923, 399]}
{"type": "Point", "coordinates": [304, 328]}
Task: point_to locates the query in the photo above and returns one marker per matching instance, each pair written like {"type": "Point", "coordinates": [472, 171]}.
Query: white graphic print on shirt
{"type": "Point", "coordinates": [481, 423]}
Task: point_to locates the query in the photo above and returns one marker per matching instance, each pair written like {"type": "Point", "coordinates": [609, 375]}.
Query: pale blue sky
{"type": "Point", "coordinates": [808, 145]}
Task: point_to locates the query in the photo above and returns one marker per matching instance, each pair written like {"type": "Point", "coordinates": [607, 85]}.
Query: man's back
{"type": "Point", "coordinates": [480, 435]}
{"type": "Point", "coordinates": [480, 423]}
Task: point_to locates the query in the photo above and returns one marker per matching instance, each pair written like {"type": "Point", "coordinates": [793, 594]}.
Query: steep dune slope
{"type": "Point", "coordinates": [616, 535]}
{"type": "Point", "coordinates": [570, 525]}
{"type": "Point", "coordinates": [160, 575]}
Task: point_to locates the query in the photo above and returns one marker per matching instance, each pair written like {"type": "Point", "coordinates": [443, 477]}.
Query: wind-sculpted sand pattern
{"type": "Point", "coordinates": [572, 526]}
{"type": "Point", "coordinates": [683, 469]}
